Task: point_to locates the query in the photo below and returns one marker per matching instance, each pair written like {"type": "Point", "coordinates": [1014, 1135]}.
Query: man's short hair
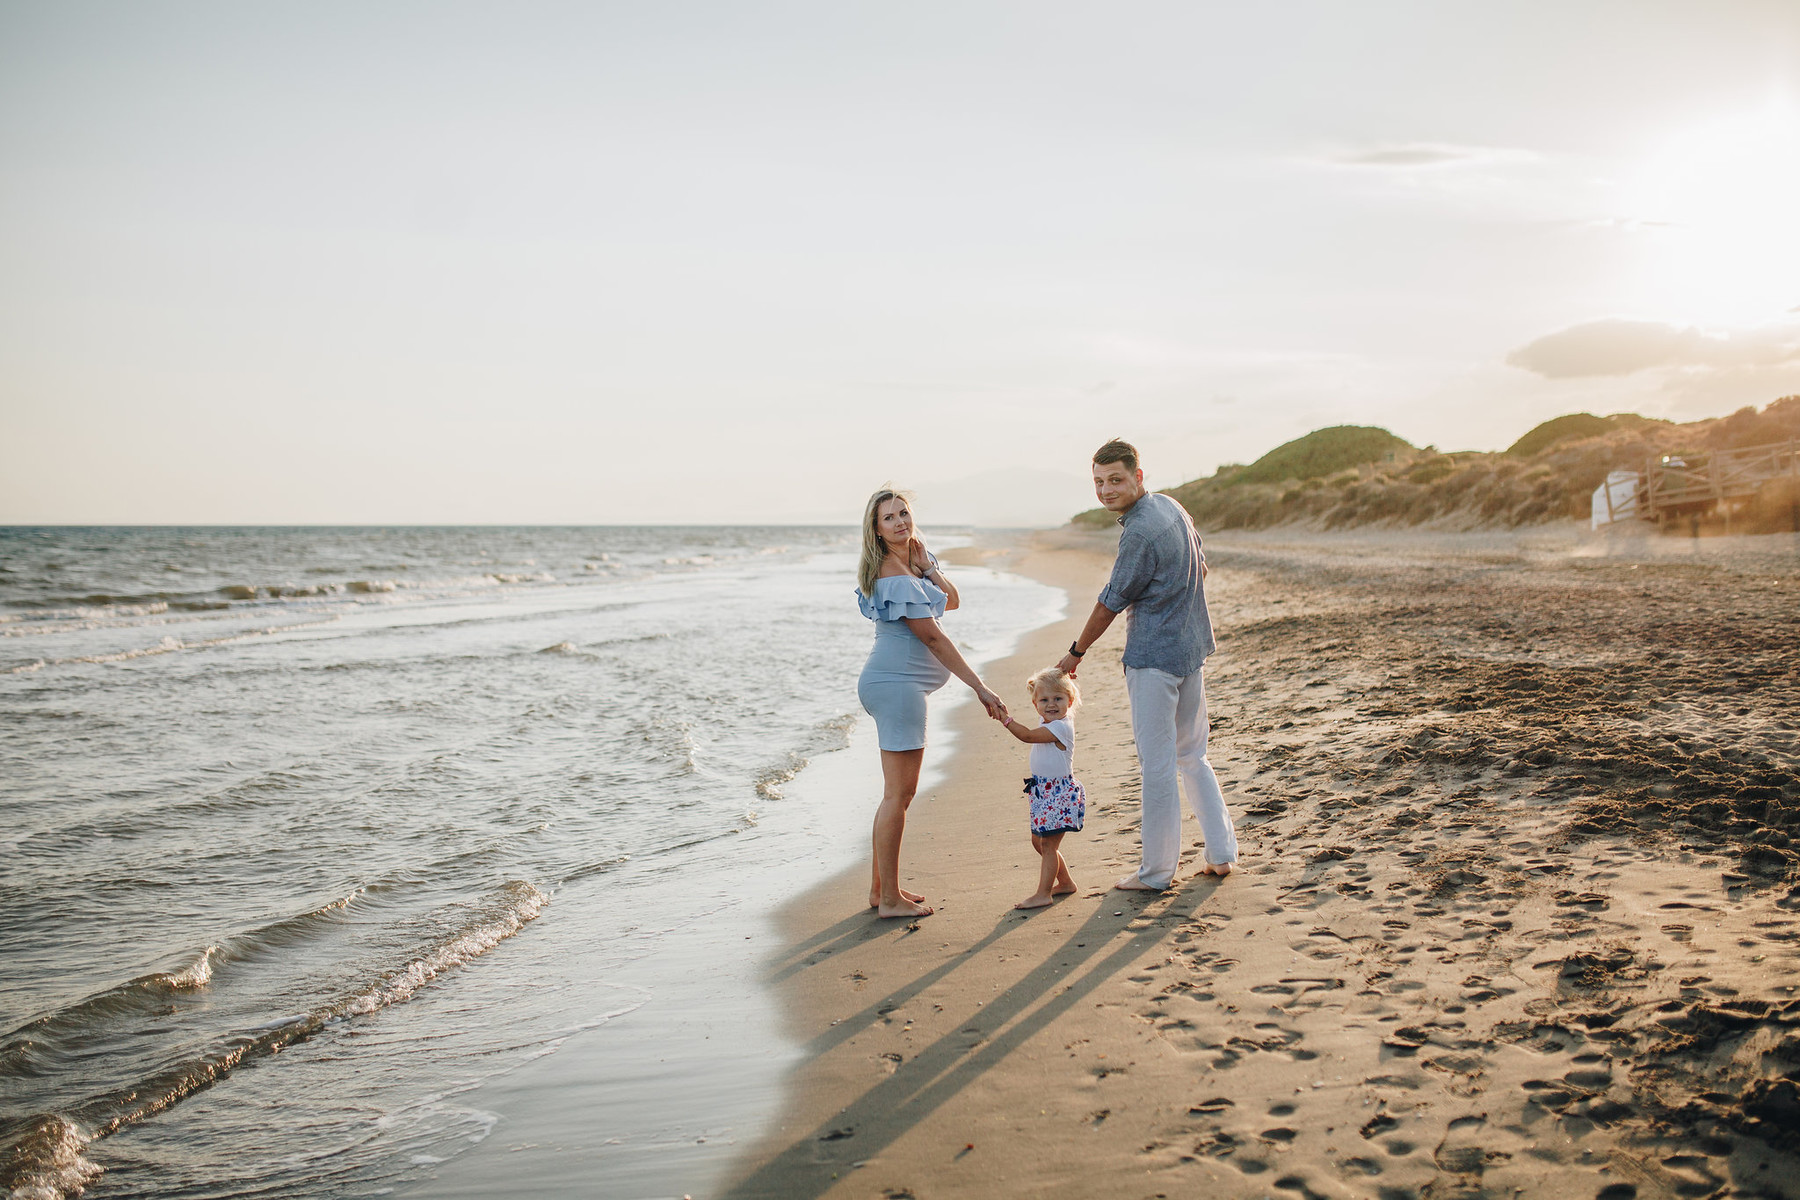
{"type": "Point", "coordinates": [1117, 451]}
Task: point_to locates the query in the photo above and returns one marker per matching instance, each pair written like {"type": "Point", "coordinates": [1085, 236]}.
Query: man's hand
{"type": "Point", "coordinates": [1097, 623]}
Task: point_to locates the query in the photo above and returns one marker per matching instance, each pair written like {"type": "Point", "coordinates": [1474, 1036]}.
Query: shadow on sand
{"type": "Point", "coordinates": [1102, 947]}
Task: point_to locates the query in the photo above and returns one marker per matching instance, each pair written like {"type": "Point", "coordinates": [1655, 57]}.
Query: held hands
{"type": "Point", "coordinates": [996, 708]}
{"type": "Point", "coordinates": [1068, 665]}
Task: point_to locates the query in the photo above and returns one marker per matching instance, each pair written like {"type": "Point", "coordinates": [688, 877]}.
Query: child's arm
{"type": "Point", "coordinates": [1027, 734]}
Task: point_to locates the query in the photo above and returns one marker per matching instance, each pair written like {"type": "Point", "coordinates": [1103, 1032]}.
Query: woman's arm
{"type": "Point", "coordinates": [927, 630]}
{"type": "Point", "coordinates": [926, 567]}
{"type": "Point", "coordinates": [1026, 733]}
{"type": "Point", "coordinates": [944, 585]}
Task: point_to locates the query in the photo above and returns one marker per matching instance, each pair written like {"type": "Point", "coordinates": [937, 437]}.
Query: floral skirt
{"type": "Point", "coordinates": [1057, 805]}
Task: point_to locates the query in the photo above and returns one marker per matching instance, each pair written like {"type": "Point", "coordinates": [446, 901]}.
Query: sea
{"type": "Point", "coordinates": [420, 861]}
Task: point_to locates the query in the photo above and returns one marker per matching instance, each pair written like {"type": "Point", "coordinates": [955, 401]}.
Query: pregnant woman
{"type": "Point", "coordinates": [904, 592]}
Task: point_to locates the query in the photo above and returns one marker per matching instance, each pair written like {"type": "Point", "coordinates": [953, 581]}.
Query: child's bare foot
{"type": "Point", "coordinates": [1219, 869]}
{"type": "Point", "coordinates": [1131, 883]}
{"type": "Point", "coordinates": [910, 897]}
{"type": "Point", "coordinates": [906, 908]}
{"type": "Point", "coordinates": [1035, 900]}
{"type": "Point", "coordinates": [1064, 889]}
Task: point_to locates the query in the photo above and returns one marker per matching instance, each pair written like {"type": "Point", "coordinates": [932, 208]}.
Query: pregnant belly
{"type": "Point", "coordinates": [904, 659]}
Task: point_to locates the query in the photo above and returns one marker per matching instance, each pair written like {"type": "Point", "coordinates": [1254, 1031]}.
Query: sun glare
{"type": "Point", "coordinates": [1720, 200]}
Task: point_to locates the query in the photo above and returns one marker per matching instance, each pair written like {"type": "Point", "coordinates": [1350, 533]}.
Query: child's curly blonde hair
{"type": "Point", "coordinates": [1055, 679]}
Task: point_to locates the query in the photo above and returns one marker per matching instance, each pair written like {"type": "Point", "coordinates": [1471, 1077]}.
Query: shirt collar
{"type": "Point", "coordinates": [1134, 509]}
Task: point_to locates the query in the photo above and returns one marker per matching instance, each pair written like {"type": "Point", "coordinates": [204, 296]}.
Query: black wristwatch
{"type": "Point", "coordinates": [1075, 652]}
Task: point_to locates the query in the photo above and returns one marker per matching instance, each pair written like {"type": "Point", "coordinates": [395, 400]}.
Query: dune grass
{"type": "Point", "coordinates": [1347, 477]}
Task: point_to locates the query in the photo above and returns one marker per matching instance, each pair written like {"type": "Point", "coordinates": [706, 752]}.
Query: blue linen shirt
{"type": "Point", "coordinates": [1156, 582]}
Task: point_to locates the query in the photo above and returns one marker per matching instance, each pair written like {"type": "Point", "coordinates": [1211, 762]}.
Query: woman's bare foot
{"type": "Point", "coordinates": [906, 908]}
{"type": "Point", "coordinates": [1035, 900]}
{"type": "Point", "coordinates": [909, 897]}
{"type": "Point", "coordinates": [1219, 869]}
{"type": "Point", "coordinates": [1064, 889]}
{"type": "Point", "coordinates": [1131, 883]}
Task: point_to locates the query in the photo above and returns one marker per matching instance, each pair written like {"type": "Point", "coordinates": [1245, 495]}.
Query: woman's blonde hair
{"type": "Point", "coordinates": [1055, 679]}
{"type": "Point", "coordinates": [874, 549]}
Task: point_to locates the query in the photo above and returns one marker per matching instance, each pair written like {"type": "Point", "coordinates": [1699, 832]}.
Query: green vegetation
{"type": "Point", "coordinates": [1559, 429]}
{"type": "Point", "coordinates": [1355, 475]}
{"type": "Point", "coordinates": [1323, 452]}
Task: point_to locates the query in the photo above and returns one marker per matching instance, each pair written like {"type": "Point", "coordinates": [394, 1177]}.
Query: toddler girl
{"type": "Point", "coordinates": [1058, 803]}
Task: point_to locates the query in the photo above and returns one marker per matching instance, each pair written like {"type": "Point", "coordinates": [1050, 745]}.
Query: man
{"type": "Point", "coordinates": [1159, 576]}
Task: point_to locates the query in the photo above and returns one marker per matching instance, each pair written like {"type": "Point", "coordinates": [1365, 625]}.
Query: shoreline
{"type": "Point", "coordinates": [1458, 956]}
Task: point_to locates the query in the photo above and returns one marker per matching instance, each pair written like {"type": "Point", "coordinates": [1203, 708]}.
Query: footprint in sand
{"type": "Point", "coordinates": [1378, 1125]}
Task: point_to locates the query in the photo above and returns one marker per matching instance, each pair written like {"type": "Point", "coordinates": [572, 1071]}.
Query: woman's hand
{"type": "Point", "coordinates": [996, 707]}
{"type": "Point", "coordinates": [918, 559]}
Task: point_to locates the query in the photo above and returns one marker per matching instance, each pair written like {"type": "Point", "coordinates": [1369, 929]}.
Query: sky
{"type": "Point", "coordinates": [351, 263]}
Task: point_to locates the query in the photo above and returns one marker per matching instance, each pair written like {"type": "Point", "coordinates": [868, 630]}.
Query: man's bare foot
{"type": "Point", "coordinates": [1035, 900]}
{"type": "Point", "coordinates": [1131, 883]}
{"type": "Point", "coordinates": [910, 897]}
{"type": "Point", "coordinates": [906, 908]}
{"type": "Point", "coordinates": [1219, 869]}
{"type": "Point", "coordinates": [1070, 889]}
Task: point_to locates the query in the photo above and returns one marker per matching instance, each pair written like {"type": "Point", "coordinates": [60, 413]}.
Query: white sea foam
{"type": "Point", "coordinates": [48, 1163]}
{"type": "Point", "coordinates": [170, 644]}
{"type": "Point", "coordinates": [522, 903]}
{"type": "Point", "coordinates": [196, 974]}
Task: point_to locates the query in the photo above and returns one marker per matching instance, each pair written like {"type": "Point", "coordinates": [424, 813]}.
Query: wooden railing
{"type": "Point", "coordinates": [1692, 482]}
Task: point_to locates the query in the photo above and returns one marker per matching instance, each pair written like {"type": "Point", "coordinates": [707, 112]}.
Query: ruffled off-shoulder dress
{"type": "Point", "coordinates": [901, 671]}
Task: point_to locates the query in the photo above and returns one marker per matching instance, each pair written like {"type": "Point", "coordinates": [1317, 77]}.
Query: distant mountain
{"type": "Point", "coordinates": [1357, 475]}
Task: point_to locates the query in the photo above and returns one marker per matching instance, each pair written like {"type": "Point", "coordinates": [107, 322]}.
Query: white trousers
{"type": "Point", "coordinates": [1168, 722]}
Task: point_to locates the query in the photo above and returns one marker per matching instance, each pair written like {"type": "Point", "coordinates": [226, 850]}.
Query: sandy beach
{"type": "Point", "coordinates": [1516, 913]}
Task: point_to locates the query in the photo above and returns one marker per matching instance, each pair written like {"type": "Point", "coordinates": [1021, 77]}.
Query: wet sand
{"type": "Point", "coordinates": [1516, 915]}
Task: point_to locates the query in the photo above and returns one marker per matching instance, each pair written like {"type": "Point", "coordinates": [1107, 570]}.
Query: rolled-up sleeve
{"type": "Point", "coordinates": [1132, 572]}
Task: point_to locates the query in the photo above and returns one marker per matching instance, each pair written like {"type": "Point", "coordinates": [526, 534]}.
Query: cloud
{"type": "Point", "coordinates": [1414, 155]}
{"type": "Point", "coordinates": [1616, 346]}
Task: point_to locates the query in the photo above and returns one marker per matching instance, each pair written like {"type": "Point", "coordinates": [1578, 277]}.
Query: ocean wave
{"type": "Point", "coordinates": [171, 644]}
{"type": "Point", "coordinates": [41, 1156]}
{"type": "Point", "coordinates": [769, 782]}
{"type": "Point", "coordinates": [94, 601]}
{"type": "Point", "coordinates": [30, 1049]}
{"type": "Point", "coordinates": [115, 606]}
{"type": "Point", "coordinates": [587, 651]}
{"type": "Point", "coordinates": [45, 1161]}
{"type": "Point", "coordinates": [596, 868]}
{"type": "Point", "coordinates": [181, 615]}
{"type": "Point", "coordinates": [823, 738]}
{"type": "Point", "coordinates": [518, 903]}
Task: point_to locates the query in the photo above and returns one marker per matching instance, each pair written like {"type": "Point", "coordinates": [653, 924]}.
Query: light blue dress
{"type": "Point", "coordinates": [901, 671]}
